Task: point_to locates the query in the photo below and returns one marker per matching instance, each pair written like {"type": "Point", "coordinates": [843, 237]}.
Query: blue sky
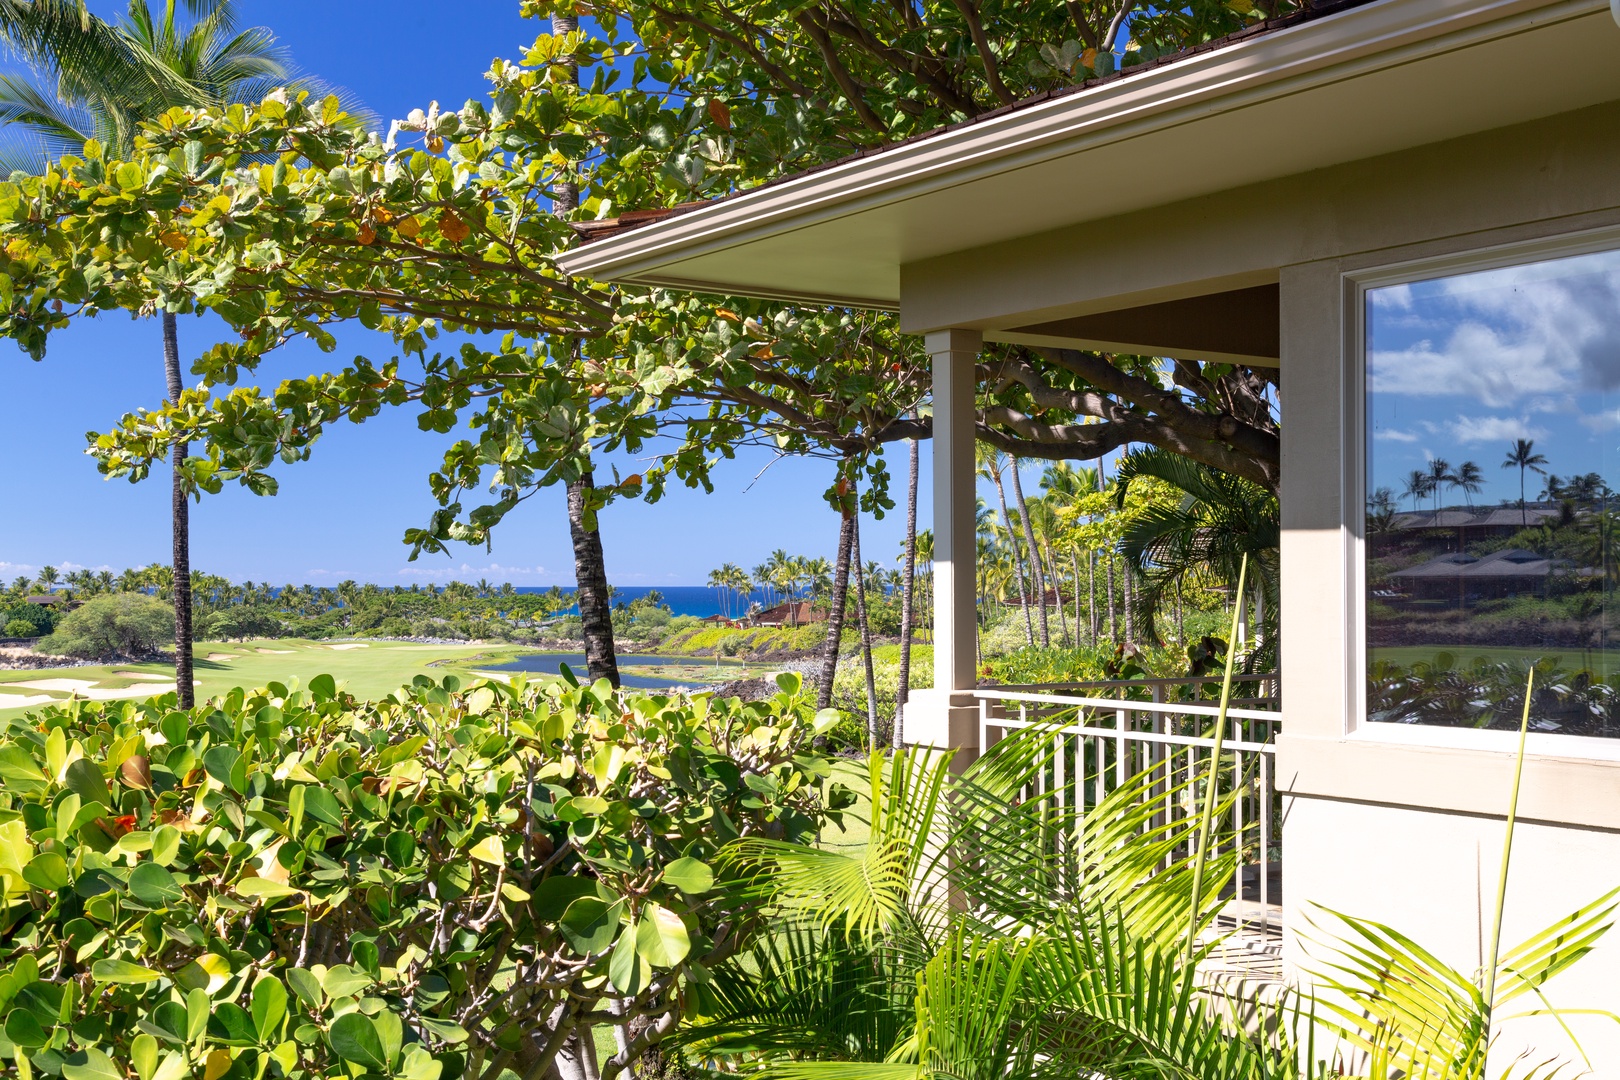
{"type": "Point", "coordinates": [1462, 366]}
{"type": "Point", "coordinates": [341, 515]}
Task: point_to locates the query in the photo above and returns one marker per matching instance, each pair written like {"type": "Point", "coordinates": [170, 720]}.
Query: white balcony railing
{"type": "Point", "coordinates": [1116, 729]}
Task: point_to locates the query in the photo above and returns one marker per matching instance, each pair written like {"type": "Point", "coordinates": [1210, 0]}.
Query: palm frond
{"type": "Point", "coordinates": [1412, 1014]}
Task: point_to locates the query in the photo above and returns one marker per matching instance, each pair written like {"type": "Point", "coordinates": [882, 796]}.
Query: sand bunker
{"type": "Point", "coordinates": [90, 691]}
{"type": "Point", "coordinates": [278, 652]}
{"type": "Point", "coordinates": [68, 685]}
{"type": "Point", "coordinates": [350, 645]}
{"type": "Point", "coordinates": [21, 701]}
{"type": "Point", "coordinates": [147, 675]}
{"type": "Point", "coordinates": [221, 656]}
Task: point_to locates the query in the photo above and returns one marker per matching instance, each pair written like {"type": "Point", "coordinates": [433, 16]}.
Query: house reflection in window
{"type": "Point", "coordinates": [1493, 426]}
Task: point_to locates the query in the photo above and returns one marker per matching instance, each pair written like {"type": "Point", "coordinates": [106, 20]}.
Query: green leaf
{"type": "Point", "coordinates": [661, 937]}
{"type": "Point", "coordinates": [552, 897]}
{"type": "Point", "coordinates": [24, 1029]}
{"type": "Point", "coordinates": [295, 810]}
{"type": "Point", "coordinates": [627, 968]}
{"type": "Point", "coordinates": [489, 850]}
{"type": "Point", "coordinates": [165, 845]}
{"type": "Point", "coordinates": [354, 1039]}
{"type": "Point", "coordinates": [123, 972]}
{"type": "Point", "coordinates": [47, 871]}
{"type": "Point", "coordinates": [401, 848]}
{"type": "Point", "coordinates": [197, 1009]}
{"type": "Point", "coordinates": [341, 980]}
{"type": "Point", "coordinates": [143, 1054]}
{"type": "Point", "coordinates": [269, 1007]}
{"type": "Point", "coordinates": [91, 1064]}
{"type": "Point", "coordinates": [391, 1033]}
{"type": "Point", "coordinates": [691, 876]}
{"type": "Point", "coordinates": [84, 779]}
{"type": "Point", "coordinates": [220, 763]}
{"type": "Point", "coordinates": [322, 805]}
{"type": "Point", "coordinates": [260, 888]}
{"type": "Point", "coordinates": [168, 1022]}
{"type": "Point", "coordinates": [305, 986]}
{"type": "Point", "coordinates": [154, 886]}
{"type": "Point", "coordinates": [323, 687]}
{"type": "Point", "coordinates": [589, 924]}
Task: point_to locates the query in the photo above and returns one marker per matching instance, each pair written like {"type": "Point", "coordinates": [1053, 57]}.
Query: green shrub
{"type": "Point", "coordinates": [124, 624]}
{"type": "Point", "coordinates": [242, 621]}
{"type": "Point", "coordinates": [20, 629]}
{"type": "Point", "coordinates": [445, 883]}
{"type": "Point", "coordinates": [36, 617]}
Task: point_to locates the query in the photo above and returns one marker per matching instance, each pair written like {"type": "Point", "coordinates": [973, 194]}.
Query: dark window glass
{"type": "Point", "coordinates": [1493, 428]}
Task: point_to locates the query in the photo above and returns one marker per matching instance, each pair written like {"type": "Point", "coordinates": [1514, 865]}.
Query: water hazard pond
{"type": "Point", "coordinates": [686, 670]}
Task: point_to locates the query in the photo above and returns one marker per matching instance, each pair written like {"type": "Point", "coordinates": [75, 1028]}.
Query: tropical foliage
{"type": "Point", "coordinates": [249, 609]}
{"type": "Point", "coordinates": [454, 881]}
{"type": "Point", "coordinates": [117, 624]}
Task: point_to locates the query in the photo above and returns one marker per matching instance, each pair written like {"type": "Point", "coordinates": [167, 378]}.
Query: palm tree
{"type": "Point", "coordinates": [1522, 456]}
{"type": "Point", "coordinates": [48, 577]}
{"type": "Point", "coordinates": [1417, 488]}
{"type": "Point", "coordinates": [102, 83]}
{"type": "Point", "coordinates": [1470, 479]}
{"type": "Point", "coordinates": [1038, 575]}
{"type": "Point", "coordinates": [1221, 519]}
{"type": "Point", "coordinates": [908, 584]}
{"type": "Point", "coordinates": [991, 464]}
{"type": "Point", "coordinates": [1439, 475]}
{"type": "Point", "coordinates": [720, 582]}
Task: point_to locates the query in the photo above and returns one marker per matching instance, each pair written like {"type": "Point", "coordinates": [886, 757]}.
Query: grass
{"type": "Point", "coordinates": [371, 671]}
{"type": "Point", "coordinates": [1406, 655]}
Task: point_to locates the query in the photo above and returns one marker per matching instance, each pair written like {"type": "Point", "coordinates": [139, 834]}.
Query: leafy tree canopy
{"type": "Point", "coordinates": [283, 219]}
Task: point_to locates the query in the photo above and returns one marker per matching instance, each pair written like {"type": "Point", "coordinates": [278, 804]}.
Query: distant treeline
{"type": "Point", "coordinates": [227, 610]}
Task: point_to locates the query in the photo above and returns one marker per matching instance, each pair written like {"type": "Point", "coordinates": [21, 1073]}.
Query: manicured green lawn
{"type": "Point", "coordinates": [1406, 655]}
{"type": "Point", "coordinates": [372, 670]}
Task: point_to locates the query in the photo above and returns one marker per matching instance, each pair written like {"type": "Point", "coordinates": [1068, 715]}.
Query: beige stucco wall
{"type": "Point", "coordinates": [1398, 824]}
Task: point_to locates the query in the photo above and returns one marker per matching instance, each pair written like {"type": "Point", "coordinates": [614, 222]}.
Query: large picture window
{"type": "Point", "coordinates": [1493, 428]}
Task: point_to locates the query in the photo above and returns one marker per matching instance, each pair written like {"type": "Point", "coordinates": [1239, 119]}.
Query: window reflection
{"type": "Point", "coordinates": [1492, 432]}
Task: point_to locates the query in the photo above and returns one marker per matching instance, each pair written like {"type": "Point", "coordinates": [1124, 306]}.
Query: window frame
{"type": "Point", "coordinates": [1355, 285]}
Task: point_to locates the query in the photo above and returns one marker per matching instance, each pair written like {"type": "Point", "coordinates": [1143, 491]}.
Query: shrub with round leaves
{"type": "Point", "coordinates": [449, 882]}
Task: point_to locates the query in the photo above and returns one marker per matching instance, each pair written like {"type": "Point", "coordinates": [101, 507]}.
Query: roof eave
{"type": "Point", "coordinates": [1320, 52]}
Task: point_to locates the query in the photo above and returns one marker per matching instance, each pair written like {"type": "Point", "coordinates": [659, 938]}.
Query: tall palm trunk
{"type": "Point", "coordinates": [1018, 560]}
{"type": "Point", "coordinates": [590, 567]}
{"type": "Point", "coordinates": [1057, 585]}
{"type": "Point", "coordinates": [866, 638]}
{"type": "Point", "coordinates": [1036, 571]}
{"type": "Point", "coordinates": [1108, 568]}
{"type": "Point", "coordinates": [180, 510]}
{"type": "Point", "coordinates": [1128, 598]}
{"type": "Point", "coordinates": [1091, 609]}
{"type": "Point", "coordinates": [590, 577]}
{"type": "Point", "coordinates": [835, 617]}
{"type": "Point", "coordinates": [908, 587]}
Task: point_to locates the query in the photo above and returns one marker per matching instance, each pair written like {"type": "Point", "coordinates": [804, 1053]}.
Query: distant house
{"type": "Point", "coordinates": [1465, 577]}
{"type": "Point", "coordinates": [792, 613]}
{"type": "Point", "coordinates": [1497, 521]}
{"type": "Point", "coordinates": [46, 600]}
{"type": "Point", "coordinates": [722, 620]}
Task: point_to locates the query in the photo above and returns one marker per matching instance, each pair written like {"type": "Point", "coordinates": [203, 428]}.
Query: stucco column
{"type": "Point", "coordinates": [945, 716]}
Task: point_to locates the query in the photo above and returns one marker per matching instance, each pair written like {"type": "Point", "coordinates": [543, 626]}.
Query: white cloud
{"type": "Point", "coordinates": [12, 569]}
{"type": "Point", "coordinates": [1392, 435]}
{"type": "Point", "coordinates": [1544, 330]}
{"type": "Point", "coordinates": [1486, 429]}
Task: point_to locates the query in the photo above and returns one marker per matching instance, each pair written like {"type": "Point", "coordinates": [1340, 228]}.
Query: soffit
{"type": "Point", "coordinates": [1368, 81]}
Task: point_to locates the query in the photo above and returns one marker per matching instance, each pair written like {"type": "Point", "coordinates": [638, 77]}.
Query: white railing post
{"type": "Point", "coordinates": [1154, 741]}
